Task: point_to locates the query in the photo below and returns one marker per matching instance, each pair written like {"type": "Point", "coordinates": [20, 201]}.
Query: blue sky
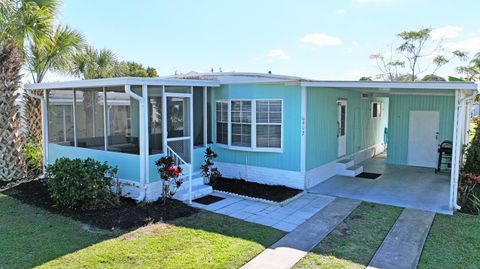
{"type": "Point", "coordinates": [316, 39]}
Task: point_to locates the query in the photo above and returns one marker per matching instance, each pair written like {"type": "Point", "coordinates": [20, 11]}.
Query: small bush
{"type": "Point", "coordinates": [208, 170]}
{"type": "Point", "coordinates": [476, 119]}
{"type": "Point", "coordinates": [81, 184]}
{"type": "Point", "coordinates": [33, 152]}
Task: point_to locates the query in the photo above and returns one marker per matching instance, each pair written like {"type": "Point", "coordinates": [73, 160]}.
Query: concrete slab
{"type": "Point", "coordinates": [403, 245]}
{"type": "Point", "coordinates": [403, 186]}
{"type": "Point", "coordinates": [295, 245]}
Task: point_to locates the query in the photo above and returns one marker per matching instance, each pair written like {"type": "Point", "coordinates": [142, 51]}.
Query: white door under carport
{"type": "Point", "coordinates": [423, 132]}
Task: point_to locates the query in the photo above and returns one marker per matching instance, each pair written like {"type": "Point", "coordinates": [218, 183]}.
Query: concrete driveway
{"type": "Point", "coordinates": [404, 186]}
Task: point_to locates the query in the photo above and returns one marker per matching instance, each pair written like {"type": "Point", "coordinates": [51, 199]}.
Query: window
{"type": "Point", "coordinates": [254, 124]}
{"type": "Point", "coordinates": [269, 123]}
{"type": "Point", "coordinates": [155, 124]}
{"type": "Point", "coordinates": [376, 109]}
{"type": "Point", "coordinates": [241, 118]}
{"type": "Point", "coordinates": [222, 122]}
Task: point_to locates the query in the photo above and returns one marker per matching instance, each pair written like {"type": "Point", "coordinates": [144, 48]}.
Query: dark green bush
{"type": "Point", "coordinates": [81, 184]}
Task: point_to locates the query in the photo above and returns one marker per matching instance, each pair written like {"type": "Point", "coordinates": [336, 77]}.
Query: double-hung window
{"type": "Point", "coordinates": [250, 124]}
{"type": "Point", "coordinates": [269, 124]}
{"type": "Point", "coordinates": [222, 122]}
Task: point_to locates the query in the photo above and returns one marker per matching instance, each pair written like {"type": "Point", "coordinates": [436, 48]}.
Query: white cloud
{"type": "Point", "coordinates": [469, 45]}
{"type": "Point", "coordinates": [341, 11]}
{"type": "Point", "coordinates": [445, 32]}
{"type": "Point", "coordinates": [280, 54]}
{"type": "Point", "coordinates": [372, 1]}
{"type": "Point", "coordinates": [321, 39]}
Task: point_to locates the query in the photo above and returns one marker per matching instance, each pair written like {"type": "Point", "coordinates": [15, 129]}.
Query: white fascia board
{"type": "Point", "coordinates": [392, 85]}
{"type": "Point", "coordinates": [93, 83]}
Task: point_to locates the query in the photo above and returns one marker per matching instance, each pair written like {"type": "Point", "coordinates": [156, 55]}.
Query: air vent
{"type": "Point", "coordinates": [364, 95]}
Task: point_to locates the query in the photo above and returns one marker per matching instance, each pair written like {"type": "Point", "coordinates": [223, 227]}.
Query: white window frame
{"type": "Point", "coordinates": [253, 123]}
{"type": "Point", "coordinates": [379, 109]}
{"type": "Point", "coordinates": [227, 122]}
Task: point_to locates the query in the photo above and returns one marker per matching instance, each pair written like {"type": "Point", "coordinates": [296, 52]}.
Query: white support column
{"type": "Point", "coordinates": [164, 121]}
{"type": "Point", "coordinates": [74, 111]}
{"type": "Point", "coordinates": [44, 107]}
{"type": "Point", "coordinates": [205, 118]}
{"type": "Point", "coordinates": [459, 125]}
{"type": "Point", "coordinates": [303, 132]}
{"type": "Point", "coordinates": [190, 167]}
{"type": "Point", "coordinates": [105, 120]}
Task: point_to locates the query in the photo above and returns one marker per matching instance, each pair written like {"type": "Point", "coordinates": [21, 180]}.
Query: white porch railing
{"type": "Point", "coordinates": [178, 161]}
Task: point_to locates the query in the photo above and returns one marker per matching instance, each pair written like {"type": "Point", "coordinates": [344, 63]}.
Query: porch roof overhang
{"type": "Point", "coordinates": [106, 82]}
{"type": "Point", "coordinates": [393, 85]}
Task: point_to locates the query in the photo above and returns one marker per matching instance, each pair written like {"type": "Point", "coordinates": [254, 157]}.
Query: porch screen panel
{"type": "Point", "coordinates": [222, 122]}
{"type": "Point", "coordinates": [89, 118]}
{"type": "Point", "coordinates": [269, 123]}
{"type": "Point", "coordinates": [120, 107]}
{"type": "Point", "coordinates": [241, 118]}
{"type": "Point", "coordinates": [155, 124]}
{"type": "Point", "coordinates": [60, 117]}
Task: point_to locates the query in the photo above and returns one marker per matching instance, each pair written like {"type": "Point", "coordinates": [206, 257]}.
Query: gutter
{"type": "Point", "coordinates": [143, 187]}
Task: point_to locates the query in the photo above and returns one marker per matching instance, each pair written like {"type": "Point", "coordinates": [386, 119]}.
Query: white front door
{"type": "Point", "coordinates": [178, 125]}
{"type": "Point", "coordinates": [342, 127]}
{"type": "Point", "coordinates": [423, 131]}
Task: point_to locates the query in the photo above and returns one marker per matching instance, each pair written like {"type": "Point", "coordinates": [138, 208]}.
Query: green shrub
{"type": "Point", "coordinates": [33, 152]}
{"type": "Point", "coordinates": [472, 158]}
{"type": "Point", "coordinates": [81, 184]}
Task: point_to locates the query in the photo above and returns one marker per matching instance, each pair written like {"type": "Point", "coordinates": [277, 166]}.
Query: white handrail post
{"type": "Point", "coordinates": [189, 184]}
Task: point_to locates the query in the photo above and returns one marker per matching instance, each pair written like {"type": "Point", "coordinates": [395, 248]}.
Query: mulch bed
{"type": "Point", "coordinates": [127, 215]}
{"type": "Point", "coordinates": [368, 175]}
{"type": "Point", "coordinates": [253, 189]}
{"type": "Point", "coordinates": [209, 199]}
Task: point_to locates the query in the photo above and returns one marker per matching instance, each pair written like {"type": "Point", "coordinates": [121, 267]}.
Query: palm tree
{"type": "Point", "coordinates": [12, 163]}
{"type": "Point", "coordinates": [91, 64]}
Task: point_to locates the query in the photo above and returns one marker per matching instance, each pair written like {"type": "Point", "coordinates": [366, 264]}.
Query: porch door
{"type": "Point", "coordinates": [423, 131]}
{"type": "Point", "coordinates": [178, 124]}
{"type": "Point", "coordinates": [342, 127]}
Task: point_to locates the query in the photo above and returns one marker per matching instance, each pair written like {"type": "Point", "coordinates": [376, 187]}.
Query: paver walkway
{"type": "Point", "coordinates": [403, 245]}
{"type": "Point", "coordinates": [285, 218]}
{"type": "Point", "coordinates": [295, 245]}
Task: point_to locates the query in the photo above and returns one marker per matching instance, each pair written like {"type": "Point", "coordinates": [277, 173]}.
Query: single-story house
{"type": "Point", "coordinates": [272, 129]}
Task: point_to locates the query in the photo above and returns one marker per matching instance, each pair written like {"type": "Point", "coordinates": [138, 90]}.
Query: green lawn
{"type": "Point", "coordinates": [354, 242]}
{"type": "Point", "coordinates": [33, 237]}
{"type": "Point", "coordinates": [453, 242]}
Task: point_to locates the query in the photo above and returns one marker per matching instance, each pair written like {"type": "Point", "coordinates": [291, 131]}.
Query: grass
{"type": "Point", "coordinates": [453, 242]}
{"type": "Point", "coordinates": [353, 242]}
{"type": "Point", "coordinates": [33, 237]}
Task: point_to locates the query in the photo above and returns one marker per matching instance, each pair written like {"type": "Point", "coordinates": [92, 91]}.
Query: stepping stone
{"type": "Point", "coordinates": [292, 247]}
{"type": "Point", "coordinates": [403, 245]}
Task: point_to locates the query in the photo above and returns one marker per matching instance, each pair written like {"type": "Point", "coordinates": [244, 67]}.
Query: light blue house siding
{"type": "Point", "coordinates": [400, 107]}
{"type": "Point", "coordinates": [128, 164]}
{"type": "Point", "coordinates": [362, 131]}
{"type": "Point", "coordinates": [289, 159]}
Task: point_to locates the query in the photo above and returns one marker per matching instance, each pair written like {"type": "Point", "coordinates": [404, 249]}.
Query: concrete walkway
{"type": "Point", "coordinates": [295, 245]}
{"type": "Point", "coordinates": [285, 218]}
{"type": "Point", "coordinates": [403, 245]}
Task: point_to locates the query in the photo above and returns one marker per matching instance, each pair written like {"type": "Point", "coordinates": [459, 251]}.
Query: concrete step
{"type": "Point", "coordinates": [344, 164]}
{"type": "Point", "coordinates": [197, 192]}
{"type": "Point", "coordinates": [351, 171]}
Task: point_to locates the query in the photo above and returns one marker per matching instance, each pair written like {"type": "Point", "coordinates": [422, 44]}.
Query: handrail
{"type": "Point", "coordinates": [179, 161]}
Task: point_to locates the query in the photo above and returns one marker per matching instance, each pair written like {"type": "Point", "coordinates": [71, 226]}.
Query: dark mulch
{"type": "Point", "coordinates": [127, 215]}
{"type": "Point", "coordinates": [369, 175]}
{"type": "Point", "coordinates": [4, 185]}
{"type": "Point", "coordinates": [209, 199]}
{"type": "Point", "coordinates": [252, 189]}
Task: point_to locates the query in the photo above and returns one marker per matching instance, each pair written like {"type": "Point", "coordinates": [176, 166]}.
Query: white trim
{"type": "Point", "coordinates": [422, 93]}
{"type": "Point", "coordinates": [205, 116]}
{"type": "Point", "coordinates": [392, 85]}
{"type": "Point", "coordinates": [74, 109]}
{"type": "Point", "coordinates": [106, 120]}
{"type": "Point", "coordinates": [263, 175]}
{"type": "Point", "coordinates": [303, 131]}
{"type": "Point", "coordinates": [146, 133]}
{"type": "Point", "coordinates": [105, 82]}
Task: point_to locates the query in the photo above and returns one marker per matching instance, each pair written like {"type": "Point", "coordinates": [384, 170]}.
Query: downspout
{"type": "Point", "coordinates": [461, 102]}
{"type": "Point", "coordinates": [141, 100]}
{"type": "Point", "coordinates": [44, 128]}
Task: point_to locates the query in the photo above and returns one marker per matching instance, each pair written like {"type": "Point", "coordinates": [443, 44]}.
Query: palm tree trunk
{"type": "Point", "coordinates": [12, 157]}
